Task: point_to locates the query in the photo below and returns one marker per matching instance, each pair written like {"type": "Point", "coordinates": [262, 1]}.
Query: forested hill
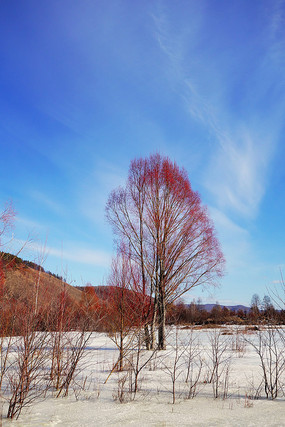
{"type": "Point", "coordinates": [14, 261]}
{"type": "Point", "coordinates": [21, 278]}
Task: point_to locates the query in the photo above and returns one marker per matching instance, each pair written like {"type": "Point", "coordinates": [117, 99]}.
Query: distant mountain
{"type": "Point", "coordinates": [209, 307]}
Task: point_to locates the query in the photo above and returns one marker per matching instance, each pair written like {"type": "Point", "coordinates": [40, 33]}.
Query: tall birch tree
{"type": "Point", "coordinates": [169, 234]}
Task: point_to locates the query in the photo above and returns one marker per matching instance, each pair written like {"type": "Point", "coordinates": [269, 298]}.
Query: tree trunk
{"type": "Point", "coordinates": [152, 326]}
{"type": "Point", "coordinates": [161, 321]}
{"type": "Point", "coordinates": [147, 337]}
{"type": "Point", "coordinates": [121, 352]}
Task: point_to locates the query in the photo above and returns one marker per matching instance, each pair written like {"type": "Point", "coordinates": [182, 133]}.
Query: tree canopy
{"type": "Point", "coordinates": [167, 231]}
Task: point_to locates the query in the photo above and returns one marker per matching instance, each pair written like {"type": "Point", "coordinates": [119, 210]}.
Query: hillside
{"type": "Point", "coordinates": [23, 277]}
{"type": "Point", "coordinates": [22, 280]}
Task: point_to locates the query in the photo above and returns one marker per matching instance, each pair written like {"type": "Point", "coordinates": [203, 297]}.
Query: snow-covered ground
{"type": "Point", "coordinates": [98, 403]}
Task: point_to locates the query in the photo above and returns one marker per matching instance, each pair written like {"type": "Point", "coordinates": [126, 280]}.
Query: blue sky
{"type": "Point", "coordinates": [88, 86]}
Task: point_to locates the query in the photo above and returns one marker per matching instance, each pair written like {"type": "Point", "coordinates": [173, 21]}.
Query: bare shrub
{"type": "Point", "coordinates": [220, 361]}
{"type": "Point", "coordinates": [5, 349]}
{"type": "Point", "coordinates": [194, 365]}
{"type": "Point", "coordinates": [153, 362]}
{"type": "Point", "coordinates": [136, 360]}
{"type": "Point", "coordinates": [27, 379]}
{"type": "Point", "coordinates": [60, 340]}
{"type": "Point", "coordinates": [269, 346]}
{"type": "Point", "coordinates": [126, 305]}
{"type": "Point", "coordinates": [139, 359]}
{"type": "Point", "coordinates": [238, 343]}
{"type": "Point", "coordinates": [58, 356]}
{"type": "Point", "coordinates": [68, 348]}
{"type": "Point", "coordinates": [194, 378]}
{"type": "Point", "coordinates": [122, 392]}
{"type": "Point", "coordinates": [248, 403]}
{"type": "Point", "coordinates": [175, 368]}
{"type": "Point", "coordinates": [125, 352]}
{"type": "Point", "coordinates": [254, 390]}
{"type": "Point", "coordinates": [77, 343]}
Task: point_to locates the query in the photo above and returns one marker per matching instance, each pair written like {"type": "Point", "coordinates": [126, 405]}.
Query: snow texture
{"type": "Point", "coordinates": [97, 404]}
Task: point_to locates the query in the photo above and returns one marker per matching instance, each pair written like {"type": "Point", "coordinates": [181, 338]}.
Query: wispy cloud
{"type": "Point", "coordinates": [235, 241]}
{"type": "Point", "coordinates": [42, 199]}
{"type": "Point", "coordinates": [276, 32]}
{"type": "Point", "coordinates": [95, 189]}
{"type": "Point", "coordinates": [82, 255]}
{"type": "Point", "coordinates": [244, 138]}
{"type": "Point", "coordinates": [28, 223]}
{"type": "Point", "coordinates": [237, 171]}
{"type": "Point", "coordinates": [74, 253]}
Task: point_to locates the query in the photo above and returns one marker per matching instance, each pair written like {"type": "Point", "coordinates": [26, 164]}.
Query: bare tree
{"type": "Point", "coordinates": [255, 302]}
{"type": "Point", "coordinates": [168, 232]}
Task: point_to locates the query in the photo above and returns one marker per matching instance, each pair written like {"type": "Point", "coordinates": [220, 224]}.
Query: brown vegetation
{"type": "Point", "coordinates": [194, 314]}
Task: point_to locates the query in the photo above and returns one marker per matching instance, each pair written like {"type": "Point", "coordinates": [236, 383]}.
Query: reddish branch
{"type": "Point", "coordinates": [167, 231]}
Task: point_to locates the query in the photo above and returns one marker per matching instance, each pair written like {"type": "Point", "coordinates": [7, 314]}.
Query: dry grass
{"type": "Point", "coordinates": [20, 284]}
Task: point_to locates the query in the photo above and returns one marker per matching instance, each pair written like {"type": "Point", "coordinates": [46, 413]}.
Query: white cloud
{"type": "Point", "coordinates": [226, 224]}
{"type": "Point", "coordinates": [74, 253]}
{"type": "Point", "coordinates": [243, 140]}
{"type": "Point", "coordinates": [30, 224]}
{"type": "Point", "coordinates": [82, 255]}
{"type": "Point", "coordinates": [235, 241]}
{"type": "Point", "coordinates": [93, 192]}
{"type": "Point", "coordinates": [275, 33]}
{"type": "Point", "coordinates": [47, 202]}
{"type": "Point", "coordinates": [237, 171]}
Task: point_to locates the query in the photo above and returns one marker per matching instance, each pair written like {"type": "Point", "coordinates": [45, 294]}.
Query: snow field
{"type": "Point", "coordinates": [99, 403]}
